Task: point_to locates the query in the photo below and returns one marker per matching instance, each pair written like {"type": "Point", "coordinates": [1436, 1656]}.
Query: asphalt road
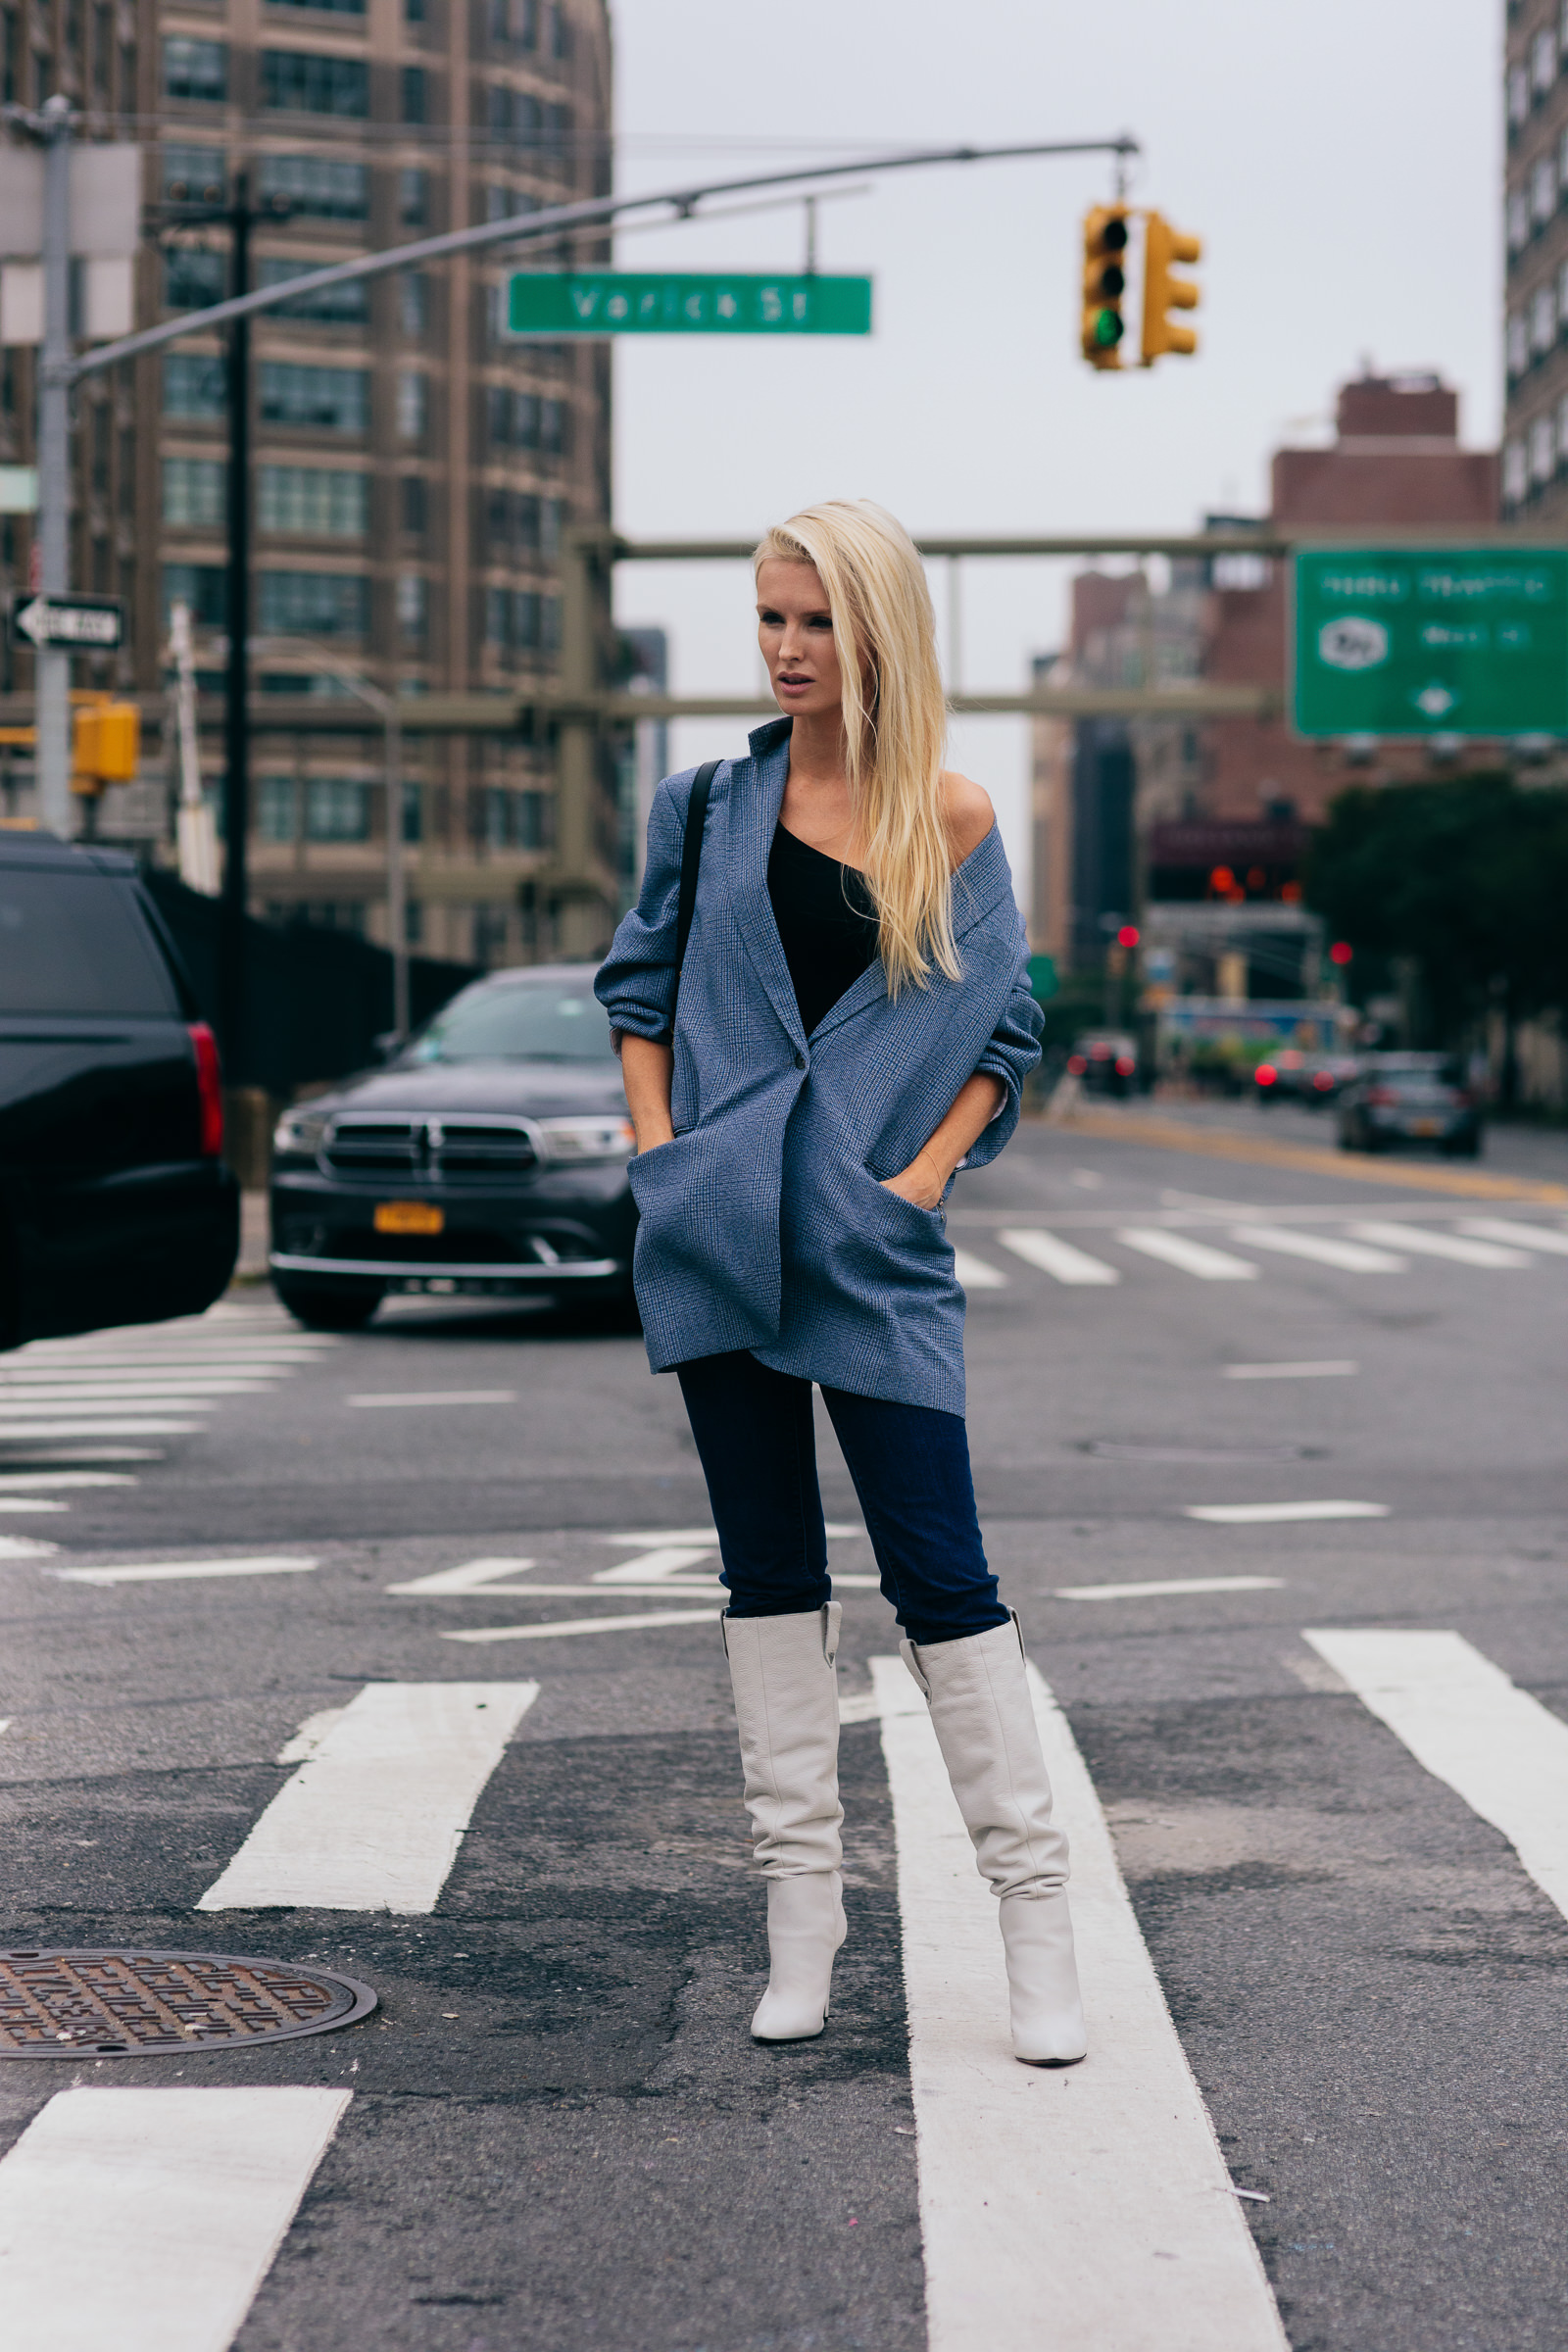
{"type": "Point", "coordinates": [559, 2135]}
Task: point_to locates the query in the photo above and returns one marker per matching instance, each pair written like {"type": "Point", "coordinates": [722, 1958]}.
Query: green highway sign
{"type": "Point", "coordinates": [1453, 641]}
{"type": "Point", "coordinates": [618, 302]}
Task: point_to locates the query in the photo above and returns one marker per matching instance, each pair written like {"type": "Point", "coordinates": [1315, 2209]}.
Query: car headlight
{"type": "Point", "coordinates": [578, 1140]}
{"type": "Point", "coordinates": [300, 1134]}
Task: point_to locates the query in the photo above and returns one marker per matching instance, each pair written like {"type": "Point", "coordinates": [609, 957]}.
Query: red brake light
{"type": "Point", "coordinates": [1322, 1081]}
{"type": "Point", "coordinates": [1382, 1096]}
{"type": "Point", "coordinates": [209, 1089]}
{"type": "Point", "coordinates": [1265, 1073]}
{"type": "Point", "coordinates": [1125, 1065]}
{"type": "Point", "coordinates": [1077, 1064]}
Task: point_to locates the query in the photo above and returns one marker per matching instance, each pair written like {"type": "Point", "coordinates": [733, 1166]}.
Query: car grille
{"type": "Point", "coordinates": [455, 1150]}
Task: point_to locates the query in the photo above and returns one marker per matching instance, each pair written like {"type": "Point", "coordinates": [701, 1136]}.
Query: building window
{"type": "Point", "coordinates": [314, 604]}
{"type": "Point", "coordinates": [316, 187]}
{"type": "Point", "coordinates": [1518, 344]}
{"type": "Point", "coordinates": [1518, 96]}
{"type": "Point", "coordinates": [275, 807]}
{"type": "Point", "coordinates": [414, 921]}
{"type": "Point", "coordinates": [305, 82]}
{"type": "Point", "coordinates": [1515, 474]}
{"type": "Point", "coordinates": [560, 31]}
{"type": "Point", "coordinates": [1542, 190]}
{"type": "Point", "coordinates": [195, 69]}
{"type": "Point", "coordinates": [555, 428]}
{"type": "Point", "coordinates": [333, 400]}
{"type": "Point", "coordinates": [1542, 62]}
{"type": "Point", "coordinates": [312, 498]}
{"type": "Point", "coordinates": [323, 914]}
{"type": "Point", "coordinates": [535, 811]}
{"type": "Point", "coordinates": [193, 386]}
{"type": "Point", "coordinates": [1542, 450]}
{"type": "Point", "coordinates": [1518, 216]}
{"type": "Point", "coordinates": [414, 303]}
{"type": "Point", "coordinates": [1562, 433]}
{"type": "Point", "coordinates": [414, 197]}
{"type": "Point", "coordinates": [1542, 320]}
{"type": "Point", "coordinates": [331, 7]}
{"type": "Point", "coordinates": [337, 808]}
{"type": "Point", "coordinates": [413, 11]}
{"type": "Point", "coordinates": [416, 506]}
{"type": "Point", "coordinates": [195, 174]}
{"type": "Point", "coordinates": [346, 304]}
{"type": "Point", "coordinates": [490, 925]}
{"type": "Point", "coordinates": [413, 94]}
{"type": "Point", "coordinates": [195, 491]}
{"type": "Point", "coordinates": [412, 819]}
{"type": "Point", "coordinates": [412, 604]}
{"type": "Point", "coordinates": [193, 278]}
{"type": "Point", "coordinates": [412, 405]}
{"type": "Point", "coordinates": [204, 587]}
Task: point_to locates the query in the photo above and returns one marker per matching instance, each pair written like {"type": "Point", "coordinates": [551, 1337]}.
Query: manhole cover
{"type": "Point", "coordinates": [1105, 1450]}
{"type": "Point", "coordinates": [131, 2004]}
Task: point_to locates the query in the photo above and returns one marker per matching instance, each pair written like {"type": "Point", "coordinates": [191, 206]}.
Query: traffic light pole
{"type": "Point", "coordinates": [52, 125]}
{"type": "Point", "coordinates": [232, 975]}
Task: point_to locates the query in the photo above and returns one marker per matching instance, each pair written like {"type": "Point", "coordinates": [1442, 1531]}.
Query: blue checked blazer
{"type": "Point", "coordinates": [764, 1224]}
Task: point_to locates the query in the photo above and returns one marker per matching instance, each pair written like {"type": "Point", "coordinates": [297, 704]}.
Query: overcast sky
{"type": "Point", "coordinates": [1340, 160]}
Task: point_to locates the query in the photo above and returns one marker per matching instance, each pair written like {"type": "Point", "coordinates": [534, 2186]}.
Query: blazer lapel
{"type": "Point", "coordinates": [756, 795]}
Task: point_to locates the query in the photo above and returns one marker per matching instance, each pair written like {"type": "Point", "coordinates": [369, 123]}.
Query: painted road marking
{"type": "Point", "coordinates": [474, 1575]}
{"type": "Point", "coordinates": [1270, 1514]}
{"type": "Point", "coordinates": [1469, 1724]}
{"type": "Point", "coordinates": [1058, 1258]}
{"type": "Point", "coordinates": [26, 1547]}
{"type": "Point", "coordinates": [1518, 1237]}
{"type": "Point", "coordinates": [31, 1503]}
{"type": "Point", "coordinates": [190, 2195]}
{"type": "Point", "coordinates": [20, 1481]}
{"type": "Point", "coordinates": [1426, 1244]}
{"type": "Point", "coordinates": [422, 1396]}
{"type": "Point", "coordinates": [161, 1572]}
{"type": "Point", "coordinates": [373, 1820]}
{"type": "Point", "coordinates": [1192, 1258]}
{"type": "Point", "coordinates": [1174, 1584]}
{"type": "Point", "coordinates": [1047, 2197]}
{"type": "Point", "coordinates": [651, 1567]}
{"type": "Point", "coordinates": [1331, 1369]}
{"type": "Point", "coordinates": [1355, 1258]}
{"type": "Point", "coordinates": [554, 1629]}
{"type": "Point", "coordinates": [975, 1274]}
{"type": "Point", "coordinates": [15, 1433]}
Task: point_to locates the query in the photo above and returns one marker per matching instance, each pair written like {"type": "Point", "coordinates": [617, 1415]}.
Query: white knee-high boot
{"type": "Point", "coordinates": [985, 1725]}
{"type": "Point", "coordinates": [787, 1708]}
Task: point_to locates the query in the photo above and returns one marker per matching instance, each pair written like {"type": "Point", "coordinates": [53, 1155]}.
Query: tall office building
{"type": "Point", "coordinates": [414, 471]}
{"type": "Point", "coordinates": [1534, 451]}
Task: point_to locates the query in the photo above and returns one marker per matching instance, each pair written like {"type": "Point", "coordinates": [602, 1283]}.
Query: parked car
{"type": "Point", "coordinates": [488, 1157]}
{"type": "Point", "coordinates": [1105, 1061]}
{"type": "Point", "coordinates": [1409, 1098]}
{"type": "Point", "coordinates": [115, 1203]}
{"type": "Point", "coordinates": [1312, 1079]}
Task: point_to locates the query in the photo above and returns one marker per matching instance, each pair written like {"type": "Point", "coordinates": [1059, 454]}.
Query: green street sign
{"type": "Point", "coordinates": [617, 302]}
{"type": "Point", "coordinates": [1454, 641]}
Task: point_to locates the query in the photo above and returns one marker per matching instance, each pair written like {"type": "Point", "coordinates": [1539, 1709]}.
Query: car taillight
{"type": "Point", "coordinates": [1125, 1065]}
{"type": "Point", "coordinates": [1265, 1073]}
{"type": "Point", "coordinates": [209, 1089]}
{"type": "Point", "coordinates": [1322, 1081]}
{"type": "Point", "coordinates": [1381, 1097]}
{"type": "Point", "coordinates": [1077, 1064]}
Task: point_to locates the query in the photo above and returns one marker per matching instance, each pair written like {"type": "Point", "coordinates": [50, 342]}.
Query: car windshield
{"type": "Point", "coordinates": [530, 1020]}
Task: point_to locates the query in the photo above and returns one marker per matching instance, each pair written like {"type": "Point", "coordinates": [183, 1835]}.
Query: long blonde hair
{"type": "Point", "coordinates": [894, 721]}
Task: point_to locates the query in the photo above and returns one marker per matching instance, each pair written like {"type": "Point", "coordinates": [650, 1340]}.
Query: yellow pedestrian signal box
{"type": "Point", "coordinates": [1164, 292]}
{"type": "Point", "coordinates": [105, 746]}
{"type": "Point", "coordinates": [1104, 283]}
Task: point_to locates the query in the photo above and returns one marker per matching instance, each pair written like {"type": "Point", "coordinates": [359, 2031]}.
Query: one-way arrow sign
{"type": "Point", "coordinates": [94, 625]}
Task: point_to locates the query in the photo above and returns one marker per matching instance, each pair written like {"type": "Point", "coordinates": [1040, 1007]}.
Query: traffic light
{"type": "Point", "coordinates": [105, 746]}
{"type": "Point", "coordinates": [1104, 283]}
{"type": "Point", "coordinates": [1163, 293]}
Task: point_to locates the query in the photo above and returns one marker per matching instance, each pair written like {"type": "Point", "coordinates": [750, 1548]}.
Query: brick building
{"type": "Point", "coordinates": [414, 472]}
{"type": "Point", "coordinates": [1534, 444]}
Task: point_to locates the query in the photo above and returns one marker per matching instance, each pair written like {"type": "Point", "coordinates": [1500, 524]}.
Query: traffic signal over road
{"type": "Point", "coordinates": [1164, 292]}
{"type": "Point", "coordinates": [1104, 283]}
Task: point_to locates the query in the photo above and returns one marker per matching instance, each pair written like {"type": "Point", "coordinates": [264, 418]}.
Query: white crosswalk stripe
{"type": "Point", "coordinates": [189, 2192]}
{"type": "Point", "coordinates": [1550, 1239]}
{"type": "Point", "coordinates": [1424, 1243]}
{"type": "Point", "coordinates": [1353, 1257]}
{"type": "Point", "coordinates": [1055, 1257]}
{"type": "Point", "coordinates": [1179, 1249]}
{"type": "Point", "coordinates": [977, 1273]}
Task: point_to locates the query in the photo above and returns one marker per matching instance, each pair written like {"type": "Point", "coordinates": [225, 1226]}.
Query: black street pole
{"type": "Point", "coordinates": [232, 973]}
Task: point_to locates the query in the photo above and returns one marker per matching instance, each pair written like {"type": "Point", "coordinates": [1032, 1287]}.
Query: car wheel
{"type": "Point", "coordinates": [1467, 1147]}
{"type": "Point", "coordinates": [322, 1307]}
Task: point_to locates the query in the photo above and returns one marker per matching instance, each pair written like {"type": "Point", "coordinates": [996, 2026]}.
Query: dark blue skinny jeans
{"type": "Point", "coordinates": [910, 1466]}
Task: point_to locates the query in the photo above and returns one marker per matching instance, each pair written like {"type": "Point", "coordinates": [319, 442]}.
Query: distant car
{"type": "Point", "coordinates": [1409, 1098]}
{"type": "Point", "coordinates": [1105, 1061]}
{"type": "Point", "coordinates": [1312, 1079]}
{"type": "Point", "coordinates": [116, 1205]}
{"type": "Point", "coordinates": [489, 1156]}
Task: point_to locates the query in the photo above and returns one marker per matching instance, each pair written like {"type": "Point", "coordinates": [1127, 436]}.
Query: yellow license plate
{"type": "Point", "coordinates": [408, 1216]}
{"type": "Point", "coordinates": [1417, 1127]}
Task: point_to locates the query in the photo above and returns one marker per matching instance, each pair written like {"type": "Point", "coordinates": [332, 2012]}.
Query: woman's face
{"type": "Point", "coordinates": [795, 631]}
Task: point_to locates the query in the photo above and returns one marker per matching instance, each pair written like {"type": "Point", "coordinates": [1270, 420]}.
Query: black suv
{"type": "Point", "coordinates": [115, 1203]}
{"type": "Point", "coordinates": [489, 1156]}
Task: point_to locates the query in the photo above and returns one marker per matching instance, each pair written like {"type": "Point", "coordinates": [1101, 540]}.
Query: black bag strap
{"type": "Point", "coordinates": [691, 858]}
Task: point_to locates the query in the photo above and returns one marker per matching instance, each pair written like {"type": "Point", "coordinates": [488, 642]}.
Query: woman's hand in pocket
{"type": "Point", "coordinates": [922, 1182]}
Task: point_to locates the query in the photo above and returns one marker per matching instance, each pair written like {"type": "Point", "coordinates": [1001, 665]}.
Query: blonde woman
{"type": "Point", "coordinates": [852, 1027]}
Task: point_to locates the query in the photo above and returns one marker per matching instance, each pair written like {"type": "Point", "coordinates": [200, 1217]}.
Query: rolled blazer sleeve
{"type": "Point", "coordinates": [1011, 1054]}
{"type": "Point", "coordinates": [636, 982]}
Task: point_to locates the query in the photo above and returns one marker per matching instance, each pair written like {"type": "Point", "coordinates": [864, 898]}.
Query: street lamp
{"type": "Point", "coordinates": [385, 707]}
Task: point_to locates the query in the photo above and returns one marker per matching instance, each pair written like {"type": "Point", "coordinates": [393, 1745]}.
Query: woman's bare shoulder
{"type": "Point", "coordinates": [966, 808]}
